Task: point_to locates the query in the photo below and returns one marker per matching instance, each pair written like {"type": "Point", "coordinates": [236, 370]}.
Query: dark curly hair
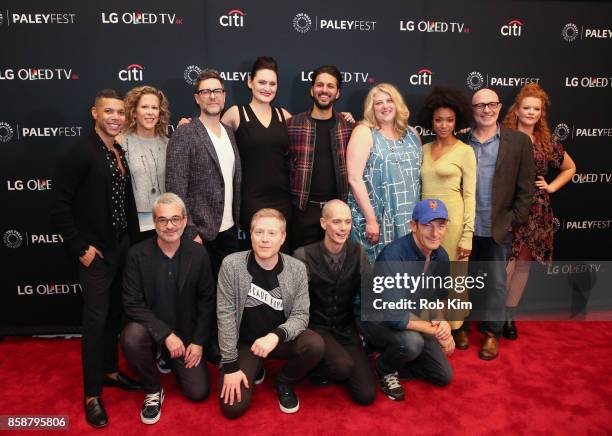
{"type": "Point", "coordinates": [446, 97]}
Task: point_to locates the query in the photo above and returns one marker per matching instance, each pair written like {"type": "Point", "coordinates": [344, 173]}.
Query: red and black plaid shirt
{"type": "Point", "coordinates": [301, 130]}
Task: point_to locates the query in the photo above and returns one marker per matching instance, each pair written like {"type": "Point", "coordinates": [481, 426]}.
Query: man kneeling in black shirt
{"type": "Point", "coordinates": [168, 297]}
{"type": "Point", "coordinates": [334, 276]}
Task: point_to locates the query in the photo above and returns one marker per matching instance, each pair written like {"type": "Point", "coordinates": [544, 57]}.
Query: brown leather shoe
{"type": "Point", "coordinates": [490, 347]}
{"type": "Point", "coordinates": [461, 339]}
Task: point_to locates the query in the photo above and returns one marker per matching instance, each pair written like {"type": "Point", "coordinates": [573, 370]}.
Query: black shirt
{"type": "Point", "coordinates": [164, 303]}
{"type": "Point", "coordinates": [323, 182]}
{"type": "Point", "coordinates": [118, 181]}
{"type": "Point", "coordinates": [263, 310]}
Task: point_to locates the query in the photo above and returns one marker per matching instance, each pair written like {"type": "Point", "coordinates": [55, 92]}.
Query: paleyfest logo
{"type": "Point", "coordinates": [302, 22]}
{"type": "Point", "coordinates": [191, 74]}
{"type": "Point", "coordinates": [570, 32]}
{"type": "Point", "coordinates": [475, 81]}
{"type": "Point", "coordinates": [12, 239]}
{"type": "Point", "coordinates": [562, 132]}
{"type": "Point", "coordinates": [6, 132]}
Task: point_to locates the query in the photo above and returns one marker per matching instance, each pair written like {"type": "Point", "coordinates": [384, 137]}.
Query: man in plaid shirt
{"type": "Point", "coordinates": [317, 151]}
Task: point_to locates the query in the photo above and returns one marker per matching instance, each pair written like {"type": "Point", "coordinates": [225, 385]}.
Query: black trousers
{"type": "Point", "coordinates": [302, 355]}
{"type": "Point", "coordinates": [102, 309]}
{"type": "Point", "coordinates": [345, 361]}
{"type": "Point", "coordinates": [225, 243]}
{"type": "Point", "coordinates": [140, 348]}
{"type": "Point", "coordinates": [306, 226]}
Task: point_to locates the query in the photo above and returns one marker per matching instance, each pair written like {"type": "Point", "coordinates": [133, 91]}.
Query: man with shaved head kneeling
{"type": "Point", "coordinates": [334, 277]}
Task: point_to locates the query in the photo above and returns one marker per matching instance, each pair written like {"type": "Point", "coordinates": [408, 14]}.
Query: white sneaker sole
{"type": "Point", "coordinates": [289, 410]}
{"type": "Point", "coordinates": [150, 421]}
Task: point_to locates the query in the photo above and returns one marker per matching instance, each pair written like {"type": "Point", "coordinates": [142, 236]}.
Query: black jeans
{"type": "Point", "coordinates": [345, 361]}
{"type": "Point", "coordinates": [302, 355]}
{"type": "Point", "coordinates": [102, 308]}
{"type": "Point", "coordinates": [488, 304]}
{"type": "Point", "coordinates": [412, 354]}
{"type": "Point", "coordinates": [140, 348]}
{"type": "Point", "coordinates": [306, 226]}
{"type": "Point", "coordinates": [225, 243]}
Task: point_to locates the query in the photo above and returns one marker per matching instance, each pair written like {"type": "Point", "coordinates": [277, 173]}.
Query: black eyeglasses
{"type": "Point", "coordinates": [175, 220]}
{"type": "Point", "coordinates": [218, 92]}
{"type": "Point", "coordinates": [491, 105]}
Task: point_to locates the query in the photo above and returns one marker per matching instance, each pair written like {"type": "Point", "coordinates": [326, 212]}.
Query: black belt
{"type": "Point", "coordinates": [318, 204]}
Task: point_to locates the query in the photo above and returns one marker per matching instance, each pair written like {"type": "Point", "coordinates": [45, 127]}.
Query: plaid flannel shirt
{"type": "Point", "coordinates": [301, 128]}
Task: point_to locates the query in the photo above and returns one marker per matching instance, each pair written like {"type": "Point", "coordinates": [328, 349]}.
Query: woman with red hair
{"type": "Point", "coordinates": [534, 240]}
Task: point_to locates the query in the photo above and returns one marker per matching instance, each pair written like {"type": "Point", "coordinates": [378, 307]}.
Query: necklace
{"type": "Point", "coordinates": [153, 179]}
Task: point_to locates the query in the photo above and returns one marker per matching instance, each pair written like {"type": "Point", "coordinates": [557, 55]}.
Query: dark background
{"type": "Point", "coordinates": [38, 288]}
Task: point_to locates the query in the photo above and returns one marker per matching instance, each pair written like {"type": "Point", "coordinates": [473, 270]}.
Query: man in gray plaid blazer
{"type": "Point", "coordinates": [203, 168]}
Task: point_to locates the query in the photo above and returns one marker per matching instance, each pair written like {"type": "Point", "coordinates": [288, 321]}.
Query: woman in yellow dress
{"type": "Point", "coordinates": [448, 173]}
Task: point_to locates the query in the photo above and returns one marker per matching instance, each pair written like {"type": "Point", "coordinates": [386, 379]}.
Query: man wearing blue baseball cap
{"type": "Point", "coordinates": [410, 346]}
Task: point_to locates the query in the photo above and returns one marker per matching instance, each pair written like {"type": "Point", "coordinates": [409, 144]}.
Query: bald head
{"type": "Point", "coordinates": [335, 206]}
{"type": "Point", "coordinates": [486, 108]}
{"type": "Point", "coordinates": [336, 221]}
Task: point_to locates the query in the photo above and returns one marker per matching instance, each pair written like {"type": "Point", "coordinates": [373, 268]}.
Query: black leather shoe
{"type": "Point", "coordinates": [122, 382]}
{"type": "Point", "coordinates": [95, 413]}
{"type": "Point", "coordinates": [509, 331]}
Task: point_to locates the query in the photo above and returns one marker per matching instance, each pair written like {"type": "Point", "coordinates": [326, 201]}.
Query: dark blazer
{"type": "Point", "coordinates": [81, 209]}
{"type": "Point", "coordinates": [513, 183]}
{"type": "Point", "coordinates": [194, 174]}
{"type": "Point", "coordinates": [195, 305]}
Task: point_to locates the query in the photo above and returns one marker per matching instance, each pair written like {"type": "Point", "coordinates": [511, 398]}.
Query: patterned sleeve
{"type": "Point", "coordinates": [558, 153]}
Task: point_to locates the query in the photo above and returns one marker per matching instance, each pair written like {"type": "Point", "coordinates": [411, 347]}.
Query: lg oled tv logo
{"type": "Point", "coordinates": [421, 77]}
{"type": "Point", "coordinates": [233, 18]}
{"type": "Point", "coordinates": [581, 178]}
{"type": "Point", "coordinates": [302, 23]}
{"type": "Point", "coordinates": [476, 80]}
{"type": "Point", "coordinates": [29, 185]}
{"type": "Point", "coordinates": [15, 18]}
{"type": "Point", "coordinates": [347, 77]}
{"type": "Point", "coordinates": [140, 18]}
{"type": "Point", "coordinates": [38, 73]}
{"type": "Point", "coordinates": [49, 289]}
{"type": "Point", "coordinates": [588, 82]}
{"type": "Point", "coordinates": [570, 33]}
{"type": "Point", "coordinates": [433, 26]}
{"type": "Point", "coordinates": [132, 73]}
{"type": "Point", "coordinates": [513, 28]}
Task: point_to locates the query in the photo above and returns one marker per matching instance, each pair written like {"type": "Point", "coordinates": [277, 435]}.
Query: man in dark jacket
{"type": "Point", "coordinates": [504, 190]}
{"type": "Point", "coordinates": [94, 210]}
{"type": "Point", "coordinates": [168, 297]}
{"type": "Point", "coordinates": [334, 268]}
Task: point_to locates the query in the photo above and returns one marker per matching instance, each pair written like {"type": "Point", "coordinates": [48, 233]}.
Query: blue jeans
{"type": "Point", "coordinates": [488, 304]}
{"type": "Point", "coordinates": [412, 354]}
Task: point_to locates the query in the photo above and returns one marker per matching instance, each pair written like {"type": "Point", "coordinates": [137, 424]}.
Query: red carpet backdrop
{"type": "Point", "coordinates": [55, 56]}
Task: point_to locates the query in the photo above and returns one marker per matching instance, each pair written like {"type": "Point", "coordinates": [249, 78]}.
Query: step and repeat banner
{"type": "Point", "coordinates": [56, 56]}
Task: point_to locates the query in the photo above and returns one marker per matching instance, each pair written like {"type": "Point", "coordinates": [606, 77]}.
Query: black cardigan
{"type": "Point", "coordinates": [81, 209]}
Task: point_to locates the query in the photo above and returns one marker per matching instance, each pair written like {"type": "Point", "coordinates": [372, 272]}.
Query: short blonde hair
{"type": "Point", "coordinates": [402, 112]}
{"type": "Point", "coordinates": [269, 213]}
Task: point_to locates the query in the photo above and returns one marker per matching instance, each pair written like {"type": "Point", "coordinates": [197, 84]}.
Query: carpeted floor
{"type": "Point", "coordinates": [556, 379]}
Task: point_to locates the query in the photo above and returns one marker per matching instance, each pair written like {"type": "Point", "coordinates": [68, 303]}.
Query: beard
{"type": "Point", "coordinates": [324, 106]}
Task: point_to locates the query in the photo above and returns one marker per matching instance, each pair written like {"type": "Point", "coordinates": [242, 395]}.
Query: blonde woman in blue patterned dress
{"type": "Point", "coordinates": [384, 160]}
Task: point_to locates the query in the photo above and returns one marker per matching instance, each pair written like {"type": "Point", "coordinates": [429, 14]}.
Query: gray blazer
{"type": "Point", "coordinates": [194, 174]}
{"type": "Point", "coordinates": [513, 183]}
{"type": "Point", "coordinates": [232, 288]}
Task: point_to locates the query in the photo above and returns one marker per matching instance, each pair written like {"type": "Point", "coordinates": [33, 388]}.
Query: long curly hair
{"type": "Point", "coordinates": [131, 102]}
{"type": "Point", "coordinates": [541, 132]}
{"type": "Point", "coordinates": [402, 112]}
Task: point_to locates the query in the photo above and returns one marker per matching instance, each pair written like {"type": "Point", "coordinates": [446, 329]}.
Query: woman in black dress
{"type": "Point", "coordinates": [261, 136]}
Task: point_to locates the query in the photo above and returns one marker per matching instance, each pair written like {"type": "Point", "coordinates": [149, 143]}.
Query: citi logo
{"type": "Point", "coordinates": [234, 18]}
{"type": "Point", "coordinates": [133, 73]}
{"type": "Point", "coordinates": [513, 28]}
{"type": "Point", "coordinates": [422, 77]}
{"type": "Point", "coordinates": [6, 132]}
